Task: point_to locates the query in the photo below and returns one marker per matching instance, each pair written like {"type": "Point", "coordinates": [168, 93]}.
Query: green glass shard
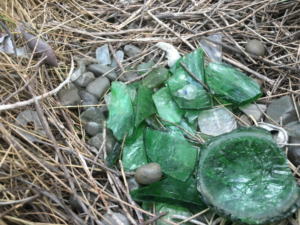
{"type": "Point", "coordinates": [202, 100]}
{"type": "Point", "coordinates": [134, 154]}
{"type": "Point", "coordinates": [227, 83]}
{"type": "Point", "coordinates": [173, 210]}
{"type": "Point", "coordinates": [244, 176]}
{"type": "Point", "coordinates": [195, 63]}
{"type": "Point", "coordinates": [145, 66]}
{"type": "Point", "coordinates": [191, 115]}
{"type": "Point", "coordinates": [121, 112]}
{"type": "Point", "coordinates": [166, 106]}
{"type": "Point", "coordinates": [134, 86]}
{"type": "Point", "coordinates": [152, 121]}
{"type": "Point", "coordinates": [156, 77]}
{"type": "Point", "coordinates": [175, 155]}
{"type": "Point", "coordinates": [145, 105]}
{"type": "Point", "coordinates": [173, 192]}
{"type": "Point", "coordinates": [113, 156]}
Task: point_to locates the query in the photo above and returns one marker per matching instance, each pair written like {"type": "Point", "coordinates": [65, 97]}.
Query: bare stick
{"type": "Point", "coordinates": [154, 218]}
{"type": "Point", "coordinates": [116, 58]}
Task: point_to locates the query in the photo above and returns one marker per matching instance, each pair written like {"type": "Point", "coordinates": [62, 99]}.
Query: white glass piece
{"type": "Point", "coordinates": [120, 56]}
{"type": "Point", "coordinates": [107, 99]}
{"type": "Point", "coordinates": [189, 92]}
{"type": "Point", "coordinates": [212, 50]}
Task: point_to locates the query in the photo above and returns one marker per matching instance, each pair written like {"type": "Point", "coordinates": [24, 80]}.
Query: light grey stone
{"type": "Point", "coordinates": [148, 174]}
{"type": "Point", "coordinates": [97, 141]}
{"type": "Point", "coordinates": [131, 50]}
{"type": "Point", "coordinates": [87, 99]}
{"type": "Point", "coordinates": [98, 87]}
{"type": "Point", "coordinates": [120, 56]}
{"type": "Point", "coordinates": [245, 119]}
{"type": "Point", "coordinates": [92, 114]}
{"type": "Point", "coordinates": [130, 75]}
{"type": "Point", "coordinates": [84, 79]}
{"type": "Point", "coordinates": [68, 97]}
{"type": "Point", "coordinates": [98, 70]}
{"type": "Point", "coordinates": [92, 128]}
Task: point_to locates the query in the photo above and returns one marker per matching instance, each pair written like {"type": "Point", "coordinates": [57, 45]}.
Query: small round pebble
{"type": "Point", "coordinates": [255, 47]}
{"type": "Point", "coordinates": [75, 204]}
{"type": "Point", "coordinates": [133, 184]}
{"type": "Point", "coordinates": [148, 174]}
{"type": "Point", "coordinates": [120, 216]}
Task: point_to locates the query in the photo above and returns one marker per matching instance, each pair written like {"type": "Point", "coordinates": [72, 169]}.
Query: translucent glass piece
{"type": "Point", "coordinates": [216, 121]}
{"type": "Point", "coordinates": [107, 99]}
{"type": "Point", "coordinates": [102, 54]}
{"type": "Point", "coordinates": [189, 92]}
{"type": "Point", "coordinates": [212, 50]}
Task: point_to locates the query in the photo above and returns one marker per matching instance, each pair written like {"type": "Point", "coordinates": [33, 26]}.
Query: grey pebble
{"type": "Point", "coordinates": [84, 79]}
{"type": "Point", "coordinates": [255, 47]}
{"type": "Point", "coordinates": [120, 56]}
{"type": "Point", "coordinates": [131, 50]}
{"type": "Point", "coordinates": [148, 174]}
{"type": "Point", "coordinates": [120, 216]}
{"type": "Point", "coordinates": [98, 70]}
{"type": "Point", "coordinates": [87, 99]}
{"type": "Point", "coordinates": [92, 114]}
{"type": "Point", "coordinates": [93, 128]}
{"type": "Point", "coordinates": [97, 141]}
{"type": "Point", "coordinates": [245, 119]}
{"type": "Point", "coordinates": [29, 116]}
{"type": "Point", "coordinates": [98, 87]}
{"type": "Point", "coordinates": [68, 97]}
{"type": "Point", "coordinates": [75, 204]}
{"type": "Point", "coordinates": [255, 110]}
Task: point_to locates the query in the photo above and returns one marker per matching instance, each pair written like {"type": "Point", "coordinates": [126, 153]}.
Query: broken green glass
{"type": "Point", "coordinates": [156, 77]}
{"type": "Point", "coordinates": [121, 112]}
{"type": "Point", "coordinates": [152, 121]}
{"type": "Point", "coordinates": [172, 192]}
{"type": "Point", "coordinates": [195, 63]}
{"type": "Point", "coordinates": [145, 105]}
{"type": "Point", "coordinates": [244, 176]}
{"type": "Point", "coordinates": [134, 154]}
{"type": "Point", "coordinates": [166, 106]}
{"type": "Point", "coordinates": [227, 83]}
{"type": "Point", "coordinates": [134, 86]}
{"type": "Point", "coordinates": [113, 156]}
{"type": "Point", "coordinates": [145, 66]}
{"type": "Point", "coordinates": [178, 81]}
{"type": "Point", "coordinates": [173, 210]}
{"type": "Point", "coordinates": [172, 152]}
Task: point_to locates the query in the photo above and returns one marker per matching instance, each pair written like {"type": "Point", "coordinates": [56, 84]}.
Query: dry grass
{"type": "Point", "coordinates": [37, 178]}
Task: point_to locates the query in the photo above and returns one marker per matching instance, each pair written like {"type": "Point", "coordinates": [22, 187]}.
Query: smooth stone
{"type": "Point", "coordinates": [81, 66]}
{"type": "Point", "coordinates": [29, 116]}
{"type": "Point", "coordinates": [102, 54]}
{"type": "Point", "coordinates": [71, 85]}
{"type": "Point", "coordinates": [255, 110]}
{"type": "Point", "coordinates": [130, 75]}
{"type": "Point", "coordinates": [87, 99]}
{"type": "Point", "coordinates": [245, 119]}
{"type": "Point", "coordinates": [133, 184]}
{"type": "Point", "coordinates": [99, 70]}
{"type": "Point", "coordinates": [120, 56]}
{"type": "Point", "coordinates": [98, 87]}
{"type": "Point", "coordinates": [85, 79]}
{"type": "Point", "coordinates": [92, 114]}
{"type": "Point", "coordinates": [93, 128]}
{"type": "Point", "coordinates": [75, 204]}
{"type": "Point", "coordinates": [148, 174]}
{"type": "Point", "coordinates": [120, 216]}
{"type": "Point", "coordinates": [282, 107]}
{"type": "Point", "coordinates": [97, 141]}
{"type": "Point", "coordinates": [78, 72]}
{"type": "Point", "coordinates": [293, 130]}
{"type": "Point", "coordinates": [255, 47]}
{"type": "Point", "coordinates": [68, 97]}
{"type": "Point", "coordinates": [131, 50]}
